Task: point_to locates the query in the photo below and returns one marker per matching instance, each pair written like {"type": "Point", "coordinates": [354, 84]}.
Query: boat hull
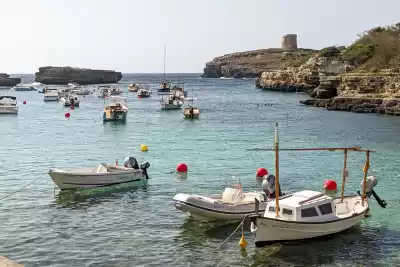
{"type": "Point", "coordinates": [270, 230]}
{"type": "Point", "coordinates": [120, 116]}
{"type": "Point", "coordinates": [68, 180]}
{"type": "Point", "coordinates": [8, 110]}
{"type": "Point", "coordinates": [210, 209]}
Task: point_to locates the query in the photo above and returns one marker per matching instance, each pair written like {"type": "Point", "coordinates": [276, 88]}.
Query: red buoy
{"type": "Point", "coordinates": [67, 115]}
{"type": "Point", "coordinates": [24, 102]}
{"type": "Point", "coordinates": [330, 185]}
{"type": "Point", "coordinates": [72, 107]}
{"type": "Point", "coordinates": [261, 172]}
{"type": "Point", "coordinates": [181, 167]}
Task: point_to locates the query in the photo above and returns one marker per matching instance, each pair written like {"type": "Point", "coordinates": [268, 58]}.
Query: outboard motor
{"type": "Point", "coordinates": [371, 183]}
{"type": "Point", "coordinates": [144, 166]}
{"type": "Point", "coordinates": [268, 186]}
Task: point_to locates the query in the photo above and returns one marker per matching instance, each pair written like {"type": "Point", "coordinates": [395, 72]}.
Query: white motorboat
{"type": "Point", "coordinates": [174, 101]}
{"type": "Point", "coordinates": [116, 109]}
{"type": "Point", "coordinates": [143, 92]}
{"type": "Point", "coordinates": [308, 214]}
{"type": "Point", "coordinates": [104, 91]}
{"type": "Point", "coordinates": [100, 176]}
{"type": "Point", "coordinates": [81, 91]}
{"type": "Point", "coordinates": [191, 111]}
{"type": "Point", "coordinates": [23, 88]}
{"type": "Point", "coordinates": [115, 90]}
{"type": "Point", "coordinates": [51, 94]}
{"type": "Point", "coordinates": [70, 100]}
{"type": "Point", "coordinates": [232, 205]}
{"type": "Point", "coordinates": [8, 105]}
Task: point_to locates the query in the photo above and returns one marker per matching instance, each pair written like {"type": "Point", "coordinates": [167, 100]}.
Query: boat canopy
{"type": "Point", "coordinates": [9, 97]}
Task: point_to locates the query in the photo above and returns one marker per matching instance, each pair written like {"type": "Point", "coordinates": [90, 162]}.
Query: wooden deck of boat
{"type": "Point", "coordinates": [5, 262]}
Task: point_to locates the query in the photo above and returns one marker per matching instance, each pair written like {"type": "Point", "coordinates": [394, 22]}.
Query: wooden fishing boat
{"type": "Point", "coordinates": [308, 214]}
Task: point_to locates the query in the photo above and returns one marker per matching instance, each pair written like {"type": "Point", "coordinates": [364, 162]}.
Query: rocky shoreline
{"type": "Point", "coordinates": [6, 81]}
{"type": "Point", "coordinates": [64, 75]}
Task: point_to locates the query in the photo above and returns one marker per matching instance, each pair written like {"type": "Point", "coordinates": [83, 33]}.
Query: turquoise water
{"type": "Point", "coordinates": [140, 227]}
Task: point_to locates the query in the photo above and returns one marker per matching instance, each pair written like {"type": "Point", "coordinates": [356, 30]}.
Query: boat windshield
{"type": "Point", "coordinates": [8, 100]}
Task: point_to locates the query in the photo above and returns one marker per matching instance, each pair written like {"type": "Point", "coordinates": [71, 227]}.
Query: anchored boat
{"type": "Point", "coordinates": [191, 111]}
{"type": "Point", "coordinates": [143, 92]}
{"type": "Point", "coordinates": [232, 205]}
{"type": "Point", "coordinates": [51, 94]}
{"type": "Point", "coordinates": [133, 87]}
{"type": "Point", "coordinates": [104, 91]}
{"type": "Point", "coordinates": [8, 105]}
{"type": "Point", "coordinates": [70, 100]}
{"type": "Point", "coordinates": [116, 109]}
{"type": "Point", "coordinates": [308, 214]}
{"type": "Point", "coordinates": [102, 175]}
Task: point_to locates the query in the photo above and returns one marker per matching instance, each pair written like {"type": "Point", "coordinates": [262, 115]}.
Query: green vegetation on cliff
{"type": "Point", "coordinates": [376, 49]}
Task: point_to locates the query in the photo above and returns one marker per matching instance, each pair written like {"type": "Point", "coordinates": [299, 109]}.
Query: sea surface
{"type": "Point", "coordinates": [40, 226]}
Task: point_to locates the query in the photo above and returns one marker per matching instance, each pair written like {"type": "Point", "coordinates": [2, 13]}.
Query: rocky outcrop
{"type": "Point", "coordinates": [313, 77]}
{"type": "Point", "coordinates": [364, 93]}
{"type": "Point", "coordinates": [251, 64]}
{"type": "Point", "coordinates": [5, 80]}
{"type": "Point", "coordinates": [64, 75]}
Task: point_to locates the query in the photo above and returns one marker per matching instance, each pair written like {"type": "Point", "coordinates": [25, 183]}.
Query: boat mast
{"type": "Point", "coordinates": [276, 172]}
{"type": "Point", "coordinates": [366, 167]}
{"type": "Point", "coordinates": [344, 174]}
{"type": "Point", "coordinates": [165, 53]}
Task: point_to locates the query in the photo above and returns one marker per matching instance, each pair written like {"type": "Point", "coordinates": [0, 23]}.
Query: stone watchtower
{"type": "Point", "coordinates": [289, 42]}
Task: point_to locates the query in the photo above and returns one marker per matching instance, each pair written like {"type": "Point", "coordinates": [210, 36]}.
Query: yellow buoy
{"type": "Point", "coordinates": [143, 148]}
{"type": "Point", "coordinates": [243, 242]}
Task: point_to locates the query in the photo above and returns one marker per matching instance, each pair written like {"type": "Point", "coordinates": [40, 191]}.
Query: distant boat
{"type": "Point", "coordinates": [174, 101]}
{"type": "Point", "coordinates": [104, 91]}
{"type": "Point", "coordinates": [116, 109]}
{"type": "Point", "coordinates": [165, 86]}
{"type": "Point", "coordinates": [115, 90]}
{"type": "Point", "coordinates": [8, 105]}
{"type": "Point", "coordinates": [133, 87]}
{"type": "Point", "coordinates": [51, 94]}
{"type": "Point", "coordinates": [70, 100]}
{"type": "Point", "coordinates": [191, 111]}
{"type": "Point", "coordinates": [23, 87]}
{"type": "Point", "coordinates": [143, 93]}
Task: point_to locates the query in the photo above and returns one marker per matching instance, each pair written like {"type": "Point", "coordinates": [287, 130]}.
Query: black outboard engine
{"type": "Point", "coordinates": [268, 186]}
{"type": "Point", "coordinates": [371, 183]}
{"type": "Point", "coordinates": [144, 166]}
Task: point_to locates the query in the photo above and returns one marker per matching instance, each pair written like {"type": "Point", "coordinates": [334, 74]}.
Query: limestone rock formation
{"type": "Point", "coordinates": [365, 93]}
{"type": "Point", "coordinates": [251, 64]}
{"type": "Point", "coordinates": [5, 80]}
{"type": "Point", "coordinates": [63, 75]}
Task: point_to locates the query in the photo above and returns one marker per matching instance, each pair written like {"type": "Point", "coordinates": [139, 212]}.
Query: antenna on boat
{"type": "Point", "coordinates": [344, 176]}
{"type": "Point", "coordinates": [165, 55]}
{"type": "Point", "coordinates": [366, 167]}
{"type": "Point", "coordinates": [276, 141]}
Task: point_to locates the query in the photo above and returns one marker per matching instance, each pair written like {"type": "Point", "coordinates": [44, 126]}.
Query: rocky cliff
{"type": "Point", "coordinates": [251, 64]}
{"type": "Point", "coordinates": [63, 75]}
{"type": "Point", "coordinates": [5, 80]}
{"type": "Point", "coordinates": [363, 77]}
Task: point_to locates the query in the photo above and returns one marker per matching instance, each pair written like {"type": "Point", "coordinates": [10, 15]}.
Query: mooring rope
{"type": "Point", "coordinates": [240, 224]}
{"type": "Point", "coordinates": [21, 188]}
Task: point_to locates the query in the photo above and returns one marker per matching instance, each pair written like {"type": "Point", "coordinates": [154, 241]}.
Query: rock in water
{"type": "Point", "coordinates": [64, 75]}
{"type": "Point", "coordinates": [5, 80]}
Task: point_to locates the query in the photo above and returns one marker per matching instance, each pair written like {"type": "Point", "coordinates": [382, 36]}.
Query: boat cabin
{"type": "Point", "coordinates": [8, 100]}
{"type": "Point", "coordinates": [304, 206]}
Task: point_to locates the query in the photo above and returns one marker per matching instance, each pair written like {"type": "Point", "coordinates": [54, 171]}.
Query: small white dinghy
{"type": "Point", "coordinates": [102, 175]}
{"type": "Point", "coordinates": [232, 205]}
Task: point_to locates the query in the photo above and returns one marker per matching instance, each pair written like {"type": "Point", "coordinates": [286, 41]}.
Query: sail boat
{"type": "Point", "coordinates": [191, 111]}
{"type": "Point", "coordinates": [165, 86]}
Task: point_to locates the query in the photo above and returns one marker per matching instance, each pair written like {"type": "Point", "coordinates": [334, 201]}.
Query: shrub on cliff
{"type": "Point", "coordinates": [377, 48]}
{"type": "Point", "coordinates": [331, 51]}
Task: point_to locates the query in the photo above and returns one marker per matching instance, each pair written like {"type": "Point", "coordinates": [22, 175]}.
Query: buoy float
{"type": "Point", "coordinates": [181, 167]}
{"type": "Point", "coordinates": [67, 115]}
{"type": "Point", "coordinates": [72, 107]}
{"type": "Point", "coordinates": [330, 185]}
{"type": "Point", "coordinates": [144, 148]}
{"type": "Point", "coordinates": [24, 102]}
{"type": "Point", "coordinates": [243, 242]}
{"type": "Point", "coordinates": [261, 172]}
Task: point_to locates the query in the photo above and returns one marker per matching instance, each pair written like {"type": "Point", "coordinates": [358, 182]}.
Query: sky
{"type": "Point", "coordinates": [129, 35]}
